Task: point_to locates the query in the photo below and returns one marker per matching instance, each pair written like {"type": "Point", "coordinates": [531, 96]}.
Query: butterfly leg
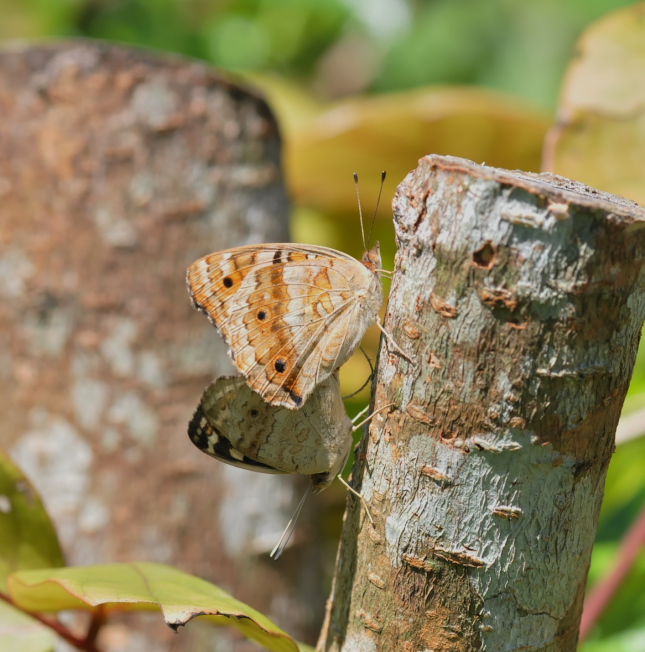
{"type": "Point", "coordinates": [394, 345]}
{"type": "Point", "coordinates": [371, 416]}
{"type": "Point", "coordinates": [359, 415]}
{"type": "Point", "coordinates": [354, 429]}
{"type": "Point", "coordinates": [352, 490]}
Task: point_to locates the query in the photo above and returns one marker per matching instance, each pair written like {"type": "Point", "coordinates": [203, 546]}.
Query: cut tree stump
{"type": "Point", "coordinates": [521, 299]}
{"type": "Point", "coordinates": [118, 168]}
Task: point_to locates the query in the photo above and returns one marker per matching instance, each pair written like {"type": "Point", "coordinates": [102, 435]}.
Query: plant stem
{"type": "Point", "coordinates": [96, 623]}
{"type": "Point", "coordinates": [60, 629]}
{"type": "Point", "coordinates": [602, 593]}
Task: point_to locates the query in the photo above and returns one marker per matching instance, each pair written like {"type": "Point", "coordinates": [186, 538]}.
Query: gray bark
{"type": "Point", "coordinates": [118, 168]}
{"type": "Point", "coordinates": [521, 298]}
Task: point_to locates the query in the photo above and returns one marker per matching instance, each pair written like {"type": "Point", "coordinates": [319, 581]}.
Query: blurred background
{"type": "Point", "coordinates": [366, 85]}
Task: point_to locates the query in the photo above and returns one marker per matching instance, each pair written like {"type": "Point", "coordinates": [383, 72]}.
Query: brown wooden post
{"type": "Point", "coordinates": [521, 297]}
{"type": "Point", "coordinates": [118, 168]}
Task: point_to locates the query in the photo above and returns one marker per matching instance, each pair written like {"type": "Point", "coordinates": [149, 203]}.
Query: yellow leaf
{"type": "Point", "coordinates": [143, 586]}
{"type": "Point", "coordinates": [600, 135]}
{"type": "Point", "coordinates": [391, 132]}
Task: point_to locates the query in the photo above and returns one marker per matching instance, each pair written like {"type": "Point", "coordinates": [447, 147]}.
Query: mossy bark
{"type": "Point", "coordinates": [521, 298]}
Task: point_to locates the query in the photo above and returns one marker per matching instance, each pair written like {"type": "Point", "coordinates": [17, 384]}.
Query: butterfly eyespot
{"type": "Point", "coordinates": [255, 413]}
{"type": "Point", "coordinates": [228, 282]}
{"type": "Point", "coordinates": [280, 366]}
{"type": "Point", "coordinates": [262, 315]}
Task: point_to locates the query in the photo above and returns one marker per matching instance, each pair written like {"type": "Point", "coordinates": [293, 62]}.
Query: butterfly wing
{"type": "Point", "coordinates": [208, 427]}
{"type": "Point", "coordinates": [235, 425]}
{"type": "Point", "coordinates": [291, 314]}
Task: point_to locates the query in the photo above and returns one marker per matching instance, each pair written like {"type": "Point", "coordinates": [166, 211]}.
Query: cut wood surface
{"type": "Point", "coordinates": [521, 299]}
{"type": "Point", "coordinates": [118, 168]}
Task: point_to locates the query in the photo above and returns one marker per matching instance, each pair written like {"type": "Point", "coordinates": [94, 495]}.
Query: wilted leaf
{"type": "Point", "coordinates": [27, 537]}
{"type": "Point", "coordinates": [129, 587]}
{"type": "Point", "coordinates": [21, 633]}
{"type": "Point", "coordinates": [392, 132]}
{"type": "Point", "coordinates": [600, 136]}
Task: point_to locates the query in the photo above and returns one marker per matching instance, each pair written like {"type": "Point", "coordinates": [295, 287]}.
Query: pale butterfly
{"type": "Point", "coordinates": [233, 424]}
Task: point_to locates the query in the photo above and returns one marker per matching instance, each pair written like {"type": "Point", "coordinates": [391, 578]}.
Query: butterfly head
{"type": "Point", "coordinates": [320, 481]}
{"type": "Point", "coordinates": [372, 258]}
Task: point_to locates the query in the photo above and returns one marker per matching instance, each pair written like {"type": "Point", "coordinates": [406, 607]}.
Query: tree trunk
{"type": "Point", "coordinates": [521, 298]}
{"type": "Point", "coordinates": [118, 168]}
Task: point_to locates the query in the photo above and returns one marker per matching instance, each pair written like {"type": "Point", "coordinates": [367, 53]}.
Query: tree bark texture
{"type": "Point", "coordinates": [521, 299]}
{"type": "Point", "coordinates": [118, 168]}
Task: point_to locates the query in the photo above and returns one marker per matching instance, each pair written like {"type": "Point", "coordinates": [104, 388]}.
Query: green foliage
{"type": "Point", "coordinates": [28, 583]}
{"type": "Point", "coordinates": [518, 47]}
{"type": "Point", "coordinates": [21, 633]}
{"type": "Point", "coordinates": [119, 588]}
{"type": "Point", "coordinates": [622, 627]}
{"type": "Point", "coordinates": [27, 537]}
{"type": "Point", "coordinates": [285, 35]}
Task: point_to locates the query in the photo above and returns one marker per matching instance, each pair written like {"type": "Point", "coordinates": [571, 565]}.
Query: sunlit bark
{"type": "Point", "coordinates": [521, 298]}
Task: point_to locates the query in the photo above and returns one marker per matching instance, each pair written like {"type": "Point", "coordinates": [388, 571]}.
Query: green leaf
{"type": "Point", "coordinates": [21, 633]}
{"type": "Point", "coordinates": [27, 537]}
{"type": "Point", "coordinates": [631, 640]}
{"type": "Point", "coordinates": [600, 135]}
{"type": "Point", "coordinates": [624, 488]}
{"type": "Point", "coordinates": [147, 586]}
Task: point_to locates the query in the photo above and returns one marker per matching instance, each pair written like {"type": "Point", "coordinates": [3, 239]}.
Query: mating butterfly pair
{"type": "Point", "coordinates": [291, 315]}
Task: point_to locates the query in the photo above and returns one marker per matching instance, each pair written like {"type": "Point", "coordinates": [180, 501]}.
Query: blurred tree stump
{"type": "Point", "coordinates": [118, 168]}
{"type": "Point", "coordinates": [522, 298]}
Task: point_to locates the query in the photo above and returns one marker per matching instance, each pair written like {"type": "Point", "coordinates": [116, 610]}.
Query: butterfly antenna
{"type": "Point", "coordinates": [369, 378]}
{"type": "Point", "coordinates": [359, 496]}
{"type": "Point", "coordinates": [276, 553]}
{"type": "Point", "coordinates": [378, 201]}
{"type": "Point", "coordinates": [360, 209]}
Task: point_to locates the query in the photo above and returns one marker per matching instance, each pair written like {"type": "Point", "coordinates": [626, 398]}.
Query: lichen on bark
{"type": "Point", "coordinates": [521, 298]}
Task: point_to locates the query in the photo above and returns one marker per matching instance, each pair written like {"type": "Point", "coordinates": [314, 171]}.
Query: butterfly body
{"type": "Point", "coordinates": [235, 425]}
{"type": "Point", "coordinates": [291, 314]}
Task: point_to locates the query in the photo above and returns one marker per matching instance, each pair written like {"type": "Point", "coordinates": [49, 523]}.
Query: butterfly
{"type": "Point", "coordinates": [233, 424]}
{"type": "Point", "coordinates": [290, 313]}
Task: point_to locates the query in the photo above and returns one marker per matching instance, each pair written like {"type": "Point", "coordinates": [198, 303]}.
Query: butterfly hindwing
{"type": "Point", "coordinates": [213, 442]}
{"type": "Point", "coordinates": [235, 425]}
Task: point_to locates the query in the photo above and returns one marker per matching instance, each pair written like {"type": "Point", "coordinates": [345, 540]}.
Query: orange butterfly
{"type": "Point", "coordinates": [291, 314]}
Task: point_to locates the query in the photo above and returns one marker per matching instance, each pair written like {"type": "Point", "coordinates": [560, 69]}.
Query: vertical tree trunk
{"type": "Point", "coordinates": [521, 297]}
{"type": "Point", "coordinates": [118, 168]}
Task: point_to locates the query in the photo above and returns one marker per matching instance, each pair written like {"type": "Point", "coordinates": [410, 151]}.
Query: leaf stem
{"type": "Point", "coordinates": [96, 623]}
{"type": "Point", "coordinates": [604, 591]}
{"type": "Point", "coordinates": [64, 632]}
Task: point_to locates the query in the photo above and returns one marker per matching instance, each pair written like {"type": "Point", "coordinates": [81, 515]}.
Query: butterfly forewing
{"type": "Point", "coordinates": [290, 314]}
